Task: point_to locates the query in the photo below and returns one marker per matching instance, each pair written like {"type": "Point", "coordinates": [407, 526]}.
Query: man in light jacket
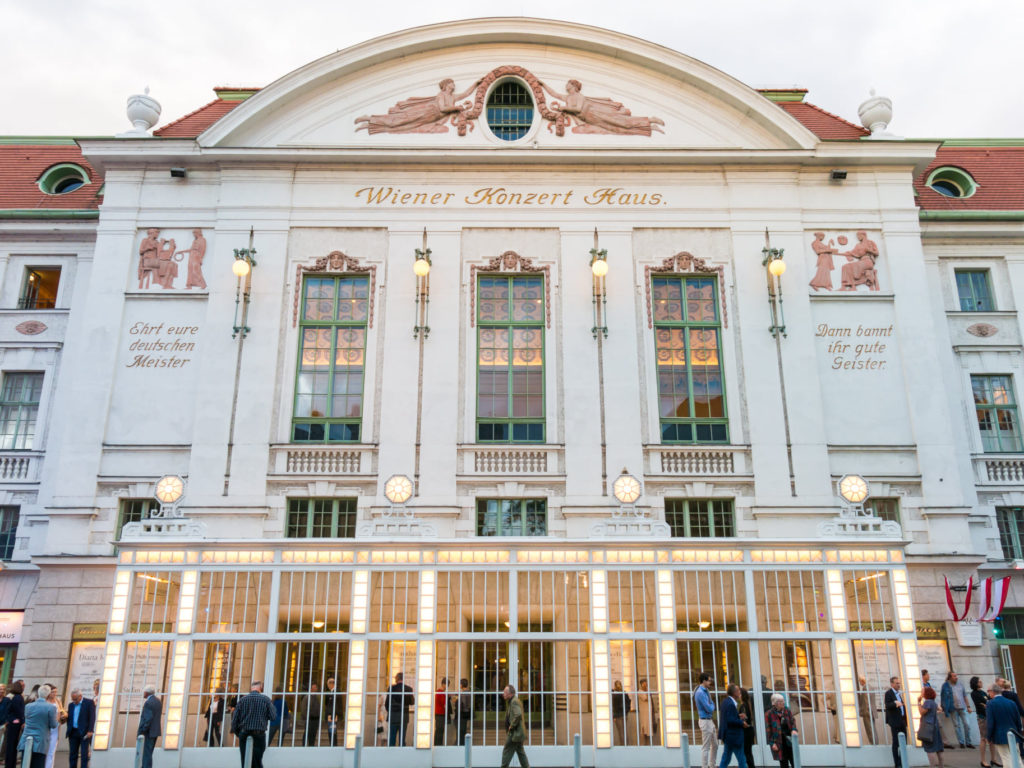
{"type": "Point", "coordinates": [40, 717]}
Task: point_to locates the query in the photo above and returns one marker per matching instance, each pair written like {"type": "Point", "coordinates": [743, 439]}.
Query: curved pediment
{"type": "Point", "coordinates": [428, 88]}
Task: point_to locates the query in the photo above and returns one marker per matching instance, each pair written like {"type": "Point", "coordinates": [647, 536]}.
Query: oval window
{"type": "Point", "coordinates": [510, 110]}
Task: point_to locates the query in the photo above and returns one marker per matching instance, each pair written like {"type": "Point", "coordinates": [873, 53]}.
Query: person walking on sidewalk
{"type": "Point", "coordinates": [706, 721]}
{"type": "Point", "coordinates": [515, 732]}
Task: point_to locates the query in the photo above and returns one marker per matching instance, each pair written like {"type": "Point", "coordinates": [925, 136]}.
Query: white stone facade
{"type": "Point", "coordinates": [869, 382]}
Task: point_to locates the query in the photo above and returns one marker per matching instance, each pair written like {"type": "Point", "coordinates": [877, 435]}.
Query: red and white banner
{"type": "Point", "coordinates": [994, 599]}
{"type": "Point", "coordinates": [967, 604]}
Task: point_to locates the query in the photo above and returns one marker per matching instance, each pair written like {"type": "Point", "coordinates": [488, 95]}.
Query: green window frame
{"type": "Point", "coordinates": [511, 517]}
{"type": "Point", "coordinates": [885, 508]}
{"type": "Point", "coordinates": [330, 371]}
{"type": "Point", "coordinates": [133, 511]}
{"type": "Point", "coordinates": [701, 518]}
{"type": "Point", "coordinates": [19, 409]}
{"type": "Point", "coordinates": [321, 519]}
{"type": "Point", "coordinates": [974, 289]}
{"type": "Point", "coordinates": [8, 530]}
{"type": "Point", "coordinates": [510, 400]}
{"type": "Point", "coordinates": [996, 409]}
{"type": "Point", "coordinates": [1010, 521]}
{"type": "Point", "coordinates": [688, 359]}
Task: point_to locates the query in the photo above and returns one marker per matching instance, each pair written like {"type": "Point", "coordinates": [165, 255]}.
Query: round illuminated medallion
{"type": "Point", "coordinates": [853, 488]}
{"type": "Point", "coordinates": [626, 488]}
{"type": "Point", "coordinates": [398, 489]}
{"type": "Point", "coordinates": [599, 267]}
{"type": "Point", "coordinates": [240, 267]}
{"type": "Point", "coordinates": [777, 267]}
{"type": "Point", "coordinates": [169, 489]}
{"type": "Point", "coordinates": [421, 267]}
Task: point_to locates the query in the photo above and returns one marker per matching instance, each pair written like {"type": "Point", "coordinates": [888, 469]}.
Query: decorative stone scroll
{"type": "Point", "coordinates": [396, 522]}
{"type": "Point", "coordinates": [630, 523]}
{"type": "Point", "coordinates": [509, 261]}
{"type": "Point", "coordinates": [170, 527]}
{"type": "Point", "coordinates": [335, 261]}
{"type": "Point", "coordinates": [687, 263]}
{"type": "Point", "coordinates": [854, 520]}
{"type": "Point", "coordinates": [584, 114]}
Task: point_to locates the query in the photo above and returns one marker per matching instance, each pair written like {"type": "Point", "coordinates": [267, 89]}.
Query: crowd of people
{"type": "Point", "coordinates": [32, 723]}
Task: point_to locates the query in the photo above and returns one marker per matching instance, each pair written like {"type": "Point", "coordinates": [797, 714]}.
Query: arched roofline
{"type": "Point", "coordinates": [567, 35]}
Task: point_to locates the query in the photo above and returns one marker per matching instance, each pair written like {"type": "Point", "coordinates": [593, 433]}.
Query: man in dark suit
{"type": "Point", "coordinates": [895, 717]}
{"type": "Point", "coordinates": [81, 722]}
{"type": "Point", "coordinates": [149, 724]}
{"type": "Point", "coordinates": [730, 728]}
{"type": "Point", "coordinates": [400, 701]}
{"type": "Point", "coordinates": [1001, 716]}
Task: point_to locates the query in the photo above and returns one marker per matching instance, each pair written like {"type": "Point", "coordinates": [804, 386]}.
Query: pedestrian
{"type": "Point", "coordinates": [896, 716]}
{"type": "Point", "coordinates": [866, 709]}
{"type": "Point", "coordinates": [749, 729]}
{"type": "Point", "coordinates": [620, 712]}
{"type": "Point", "coordinates": [81, 723]}
{"type": "Point", "coordinates": [149, 724]}
{"type": "Point", "coordinates": [214, 715]}
{"type": "Point", "coordinates": [40, 723]}
{"type": "Point", "coordinates": [928, 732]}
{"type": "Point", "coordinates": [314, 708]}
{"type": "Point", "coordinates": [980, 700]}
{"type": "Point", "coordinates": [14, 722]}
{"type": "Point", "coordinates": [779, 729]}
{"type": "Point", "coordinates": [281, 722]}
{"type": "Point", "coordinates": [956, 706]}
{"type": "Point", "coordinates": [252, 715]}
{"type": "Point", "coordinates": [1008, 692]}
{"type": "Point", "coordinates": [334, 710]}
{"type": "Point", "coordinates": [464, 710]}
{"type": "Point", "coordinates": [62, 717]}
{"type": "Point", "coordinates": [647, 710]}
{"type": "Point", "coordinates": [515, 732]}
{"type": "Point", "coordinates": [1001, 716]}
{"type": "Point", "coordinates": [706, 722]}
{"type": "Point", "coordinates": [440, 712]}
{"type": "Point", "coordinates": [730, 728]}
{"type": "Point", "coordinates": [399, 702]}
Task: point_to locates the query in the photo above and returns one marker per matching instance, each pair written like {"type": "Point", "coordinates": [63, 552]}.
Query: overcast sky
{"type": "Point", "coordinates": [952, 68]}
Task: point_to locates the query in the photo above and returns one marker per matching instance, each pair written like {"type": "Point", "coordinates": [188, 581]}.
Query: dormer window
{"type": "Point", "coordinates": [63, 178]}
{"type": "Point", "coordinates": [952, 182]}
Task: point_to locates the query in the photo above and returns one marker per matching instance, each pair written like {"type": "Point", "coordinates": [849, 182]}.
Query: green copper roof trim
{"type": "Point", "coordinates": [978, 142]}
{"type": "Point", "coordinates": [1016, 215]}
{"type": "Point", "coordinates": [38, 140]}
{"type": "Point", "coordinates": [230, 94]}
{"type": "Point", "coordinates": [784, 94]}
{"type": "Point", "coordinates": [48, 213]}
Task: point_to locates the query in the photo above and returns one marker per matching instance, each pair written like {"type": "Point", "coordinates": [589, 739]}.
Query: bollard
{"type": "Point", "coordinates": [1011, 744]}
{"type": "Point", "coordinates": [357, 758]}
{"type": "Point", "coordinates": [686, 750]}
{"type": "Point", "coordinates": [577, 751]}
{"type": "Point", "coordinates": [140, 744]}
{"type": "Point", "coordinates": [795, 741]}
{"type": "Point", "coordinates": [904, 751]}
{"type": "Point", "coordinates": [248, 752]}
{"type": "Point", "coordinates": [468, 746]}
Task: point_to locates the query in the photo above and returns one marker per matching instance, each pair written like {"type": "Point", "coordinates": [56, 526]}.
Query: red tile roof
{"type": "Point", "coordinates": [194, 123]}
{"type": "Point", "coordinates": [21, 165]}
{"type": "Point", "coordinates": [823, 124]}
{"type": "Point", "coordinates": [998, 172]}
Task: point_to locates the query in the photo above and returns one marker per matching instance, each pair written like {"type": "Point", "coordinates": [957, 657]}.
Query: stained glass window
{"type": "Point", "coordinates": [332, 351]}
{"type": "Point", "coordinates": [510, 359]}
{"type": "Point", "coordinates": [996, 409]}
{"type": "Point", "coordinates": [688, 344]}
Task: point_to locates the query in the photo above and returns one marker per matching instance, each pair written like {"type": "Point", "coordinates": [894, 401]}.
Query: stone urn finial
{"type": "Point", "coordinates": [876, 114]}
{"type": "Point", "coordinates": [143, 111]}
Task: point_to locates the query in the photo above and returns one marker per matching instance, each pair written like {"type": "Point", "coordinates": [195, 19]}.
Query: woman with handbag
{"type": "Point", "coordinates": [779, 729]}
{"type": "Point", "coordinates": [928, 731]}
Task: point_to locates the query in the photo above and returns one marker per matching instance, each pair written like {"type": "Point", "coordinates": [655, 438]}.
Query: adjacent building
{"type": "Point", "coordinates": [516, 352]}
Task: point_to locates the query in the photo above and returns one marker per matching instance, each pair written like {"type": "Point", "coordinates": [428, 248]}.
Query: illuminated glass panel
{"type": "Point", "coordinates": [996, 409]}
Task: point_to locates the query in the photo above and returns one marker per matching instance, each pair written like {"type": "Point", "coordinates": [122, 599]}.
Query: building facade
{"type": "Point", "coordinates": [513, 352]}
